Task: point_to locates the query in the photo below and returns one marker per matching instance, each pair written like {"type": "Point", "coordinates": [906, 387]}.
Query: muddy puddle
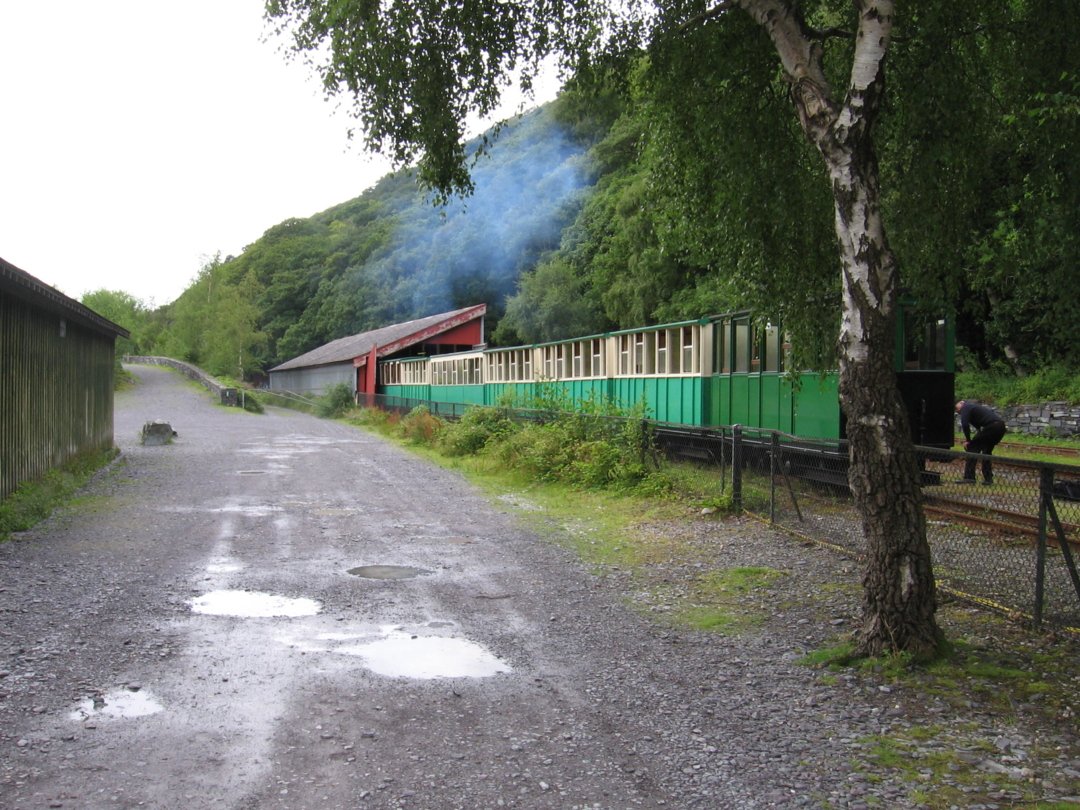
{"type": "Point", "coordinates": [388, 572]}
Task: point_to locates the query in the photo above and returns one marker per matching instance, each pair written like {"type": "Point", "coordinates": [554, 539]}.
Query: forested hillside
{"type": "Point", "coordinates": [688, 190]}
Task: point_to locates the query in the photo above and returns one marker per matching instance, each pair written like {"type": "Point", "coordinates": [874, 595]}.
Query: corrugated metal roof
{"type": "Point", "coordinates": [347, 348]}
{"type": "Point", "coordinates": [23, 285]}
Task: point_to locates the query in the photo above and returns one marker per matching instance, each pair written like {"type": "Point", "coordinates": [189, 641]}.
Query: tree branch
{"type": "Point", "coordinates": [704, 17]}
{"type": "Point", "coordinates": [831, 33]}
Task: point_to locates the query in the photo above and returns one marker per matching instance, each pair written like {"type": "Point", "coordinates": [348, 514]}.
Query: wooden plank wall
{"type": "Point", "coordinates": [56, 391]}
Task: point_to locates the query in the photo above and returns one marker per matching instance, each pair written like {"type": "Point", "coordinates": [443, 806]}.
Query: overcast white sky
{"type": "Point", "coordinates": [138, 139]}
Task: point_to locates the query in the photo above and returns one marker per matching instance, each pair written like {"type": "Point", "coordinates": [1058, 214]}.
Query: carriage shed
{"type": "Point", "coordinates": [353, 360]}
{"type": "Point", "coordinates": [57, 373]}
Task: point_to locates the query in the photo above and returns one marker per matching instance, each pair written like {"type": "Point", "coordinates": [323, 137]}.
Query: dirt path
{"type": "Point", "coordinates": [139, 666]}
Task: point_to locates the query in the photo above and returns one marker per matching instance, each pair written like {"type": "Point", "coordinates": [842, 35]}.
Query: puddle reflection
{"type": "Point", "coordinates": [401, 655]}
{"type": "Point", "coordinates": [395, 652]}
{"type": "Point", "coordinates": [121, 703]}
{"type": "Point", "coordinates": [252, 604]}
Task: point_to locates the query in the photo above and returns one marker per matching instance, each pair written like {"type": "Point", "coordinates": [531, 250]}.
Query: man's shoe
{"type": "Point", "coordinates": [988, 483]}
{"type": "Point", "coordinates": [966, 481]}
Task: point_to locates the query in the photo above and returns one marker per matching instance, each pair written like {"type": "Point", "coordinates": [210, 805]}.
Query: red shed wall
{"type": "Point", "coordinates": [468, 334]}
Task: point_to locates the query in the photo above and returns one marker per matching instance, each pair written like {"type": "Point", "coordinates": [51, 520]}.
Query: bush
{"type": "Point", "coordinates": [335, 401]}
{"type": "Point", "coordinates": [374, 418]}
{"type": "Point", "coordinates": [420, 427]}
{"type": "Point", "coordinates": [1051, 384]}
{"type": "Point", "coordinates": [250, 402]}
{"type": "Point", "coordinates": [581, 449]}
{"type": "Point", "coordinates": [476, 429]}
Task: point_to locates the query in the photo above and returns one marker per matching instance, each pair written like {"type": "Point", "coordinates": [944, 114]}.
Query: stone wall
{"type": "Point", "coordinates": [1051, 419]}
{"type": "Point", "coordinates": [226, 394]}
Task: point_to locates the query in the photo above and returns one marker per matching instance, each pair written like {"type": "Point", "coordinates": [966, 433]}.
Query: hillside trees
{"type": "Point", "coordinates": [124, 310]}
{"type": "Point", "coordinates": [214, 323]}
{"type": "Point", "coordinates": [390, 255]}
{"type": "Point", "coordinates": [414, 69]}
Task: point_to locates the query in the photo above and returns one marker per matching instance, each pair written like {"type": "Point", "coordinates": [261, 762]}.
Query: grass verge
{"type": "Point", "coordinates": [33, 501]}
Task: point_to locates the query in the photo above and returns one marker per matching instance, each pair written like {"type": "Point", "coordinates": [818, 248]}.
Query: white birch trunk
{"type": "Point", "coordinates": [899, 593]}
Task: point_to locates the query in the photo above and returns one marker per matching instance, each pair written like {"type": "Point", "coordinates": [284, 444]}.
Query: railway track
{"type": "Point", "coordinates": [1005, 523]}
{"type": "Point", "coordinates": [1068, 455]}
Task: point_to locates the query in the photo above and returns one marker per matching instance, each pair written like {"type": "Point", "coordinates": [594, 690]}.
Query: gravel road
{"type": "Point", "coordinates": [278, 611]}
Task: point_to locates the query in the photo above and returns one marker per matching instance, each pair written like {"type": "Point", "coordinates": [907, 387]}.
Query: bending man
{"type": "Point", "coordinates": [989, 428]}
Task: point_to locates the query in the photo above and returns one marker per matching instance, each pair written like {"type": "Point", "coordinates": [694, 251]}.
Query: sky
{"type": "Point", "coordinates": [140, 139]}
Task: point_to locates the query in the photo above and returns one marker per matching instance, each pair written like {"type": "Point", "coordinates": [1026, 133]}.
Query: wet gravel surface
{"type": "Point", "coordinates": [504, 673]}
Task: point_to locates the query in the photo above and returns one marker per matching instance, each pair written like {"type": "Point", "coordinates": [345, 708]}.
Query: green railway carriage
{"type": "Point", "coordinates": [724, 370]}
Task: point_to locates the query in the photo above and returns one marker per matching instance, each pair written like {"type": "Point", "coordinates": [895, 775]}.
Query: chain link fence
{"type": "Point", "coordinates": [1010, 545]}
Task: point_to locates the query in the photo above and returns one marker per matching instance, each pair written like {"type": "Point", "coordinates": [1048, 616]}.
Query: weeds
{"type": "Point", "coordinates": [1052, 384]}
{"type": "Point", "coordinates": [33, 501]}
{"type": "Point", "coordinates": [335, 401]}
{"type": "Point", "coordinates": [718, 598]}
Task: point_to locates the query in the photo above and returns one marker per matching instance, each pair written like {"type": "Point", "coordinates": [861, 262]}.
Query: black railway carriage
{"type": "Point", "coordinates": [724, 370]}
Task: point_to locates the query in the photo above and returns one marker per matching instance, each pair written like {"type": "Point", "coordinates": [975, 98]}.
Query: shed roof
{"type": "Point", "coordinates": [398, 336]}
{"type": "Point", "coordinates": [24, 286]}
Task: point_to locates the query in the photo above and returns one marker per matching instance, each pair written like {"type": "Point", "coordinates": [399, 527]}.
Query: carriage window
{"type": "Point", "coordinates": [689, 356]}
{"type": "Point", "coordinates": [662, 353]}
{"type": "Point", "coordinates": [924, 343]}
{"type": "Point", "coordinates": [772, 349]}
{"type": "Point", "coordinates": [639, 354]}
{"type": "Point", "coordinates": [742, 346]}
{"type": "Point", "coordinates": [672, 339]}
{"type": "Point", "coordinates": [723, 347]}
{"type": "Point", "coordinates": [597, 358]}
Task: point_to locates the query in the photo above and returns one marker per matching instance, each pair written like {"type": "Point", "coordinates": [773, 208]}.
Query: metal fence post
{"type": "Point", "coordinates": [736, 466]}
{"type": "Point", "coordinates": [774, 450]}
{"type": "Point", "coordinates": [1046, 489]}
